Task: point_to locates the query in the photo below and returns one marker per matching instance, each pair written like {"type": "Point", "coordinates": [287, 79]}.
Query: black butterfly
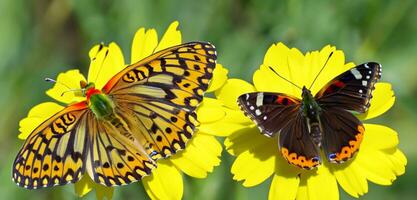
{"type": "Point", "coordinates": [325, 120]}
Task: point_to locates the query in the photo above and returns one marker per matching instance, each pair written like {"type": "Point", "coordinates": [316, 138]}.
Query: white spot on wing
{"type": "Point", "coordinates": [251, 108]}
{"type": "Point", "coordinates": [258, 112]}
{"type": "Point", "coordinates": [356, 73]}
{"type": "Point", "coordinates": [366, 66]}
{"type": "Point", "coordinates": [259, 99]}
{"type": "Point", "coordinates": [364, 83]}
{"type": "Point", "coordinates": [247, 96]}
{"type": "Point", "coordinates": [360, 91]}
{"type": "Point", "coordinates": [265, 117]}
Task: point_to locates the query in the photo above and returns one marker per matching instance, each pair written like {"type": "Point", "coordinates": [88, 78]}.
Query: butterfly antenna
{"type": "Point", "coordinates": [328, 58]}
{"type": "Point", "coordinates": [72, 90]}
{"type": "Point", "coordinates": [272, 69]}
{"type": "Point", "coordinates": [54, 81]}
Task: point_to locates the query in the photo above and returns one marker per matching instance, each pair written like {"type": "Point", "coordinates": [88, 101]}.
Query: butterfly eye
{"type": "Point", "coordinates": [83, 84]}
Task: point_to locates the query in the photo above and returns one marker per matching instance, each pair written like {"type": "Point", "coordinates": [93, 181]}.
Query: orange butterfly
{"type": "Point", "coordinates": [145, 112]}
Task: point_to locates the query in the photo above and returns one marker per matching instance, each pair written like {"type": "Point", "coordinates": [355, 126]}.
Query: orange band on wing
{"type": "Point", "coordinates": [300, 161]}
{"type": "Point", "coordinates": [348, 152]}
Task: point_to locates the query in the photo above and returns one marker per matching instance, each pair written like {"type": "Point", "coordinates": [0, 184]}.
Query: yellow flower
{"type": "Point", "coordinates": [257, 157]}
{"type": "Point", "coordinates": [203, 150]}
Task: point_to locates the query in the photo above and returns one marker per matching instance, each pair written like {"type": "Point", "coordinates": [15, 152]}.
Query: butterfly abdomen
{"type": "Point", "coordinates": [311, 111]}
{"type": "Point", "coordinates": [316, 133]}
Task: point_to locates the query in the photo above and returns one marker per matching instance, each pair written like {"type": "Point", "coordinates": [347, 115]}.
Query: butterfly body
{"type": "Point", "coordinates": [100, 104]}
{"type": "Point", "coordinates": [311, 111]}
{"type": "Point", "coordinates": [115, 136]}
{"type": "Point", "coordinates": [324, 121]}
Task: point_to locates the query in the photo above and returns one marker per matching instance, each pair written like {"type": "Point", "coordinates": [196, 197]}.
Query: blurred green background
{"type": "Point", "coordinates": [45, 37]}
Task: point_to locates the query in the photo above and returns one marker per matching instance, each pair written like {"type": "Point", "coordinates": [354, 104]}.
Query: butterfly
{"type": "Point", "coordinates": [144, 113]}
{"type": "Point", "coordinates": [325, 120]}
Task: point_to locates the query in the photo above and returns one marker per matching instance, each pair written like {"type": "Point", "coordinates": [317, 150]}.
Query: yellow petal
{"type": "Point", "coordinates": [210, 114]}
{"type": "Point", "coordinates": [374, 169]}
{"type": "Point", "coordinates": [199, 157]}
{"type": "Point", "coordinates": [97, 55]}
{"type": "Point", "coordinates": [219, 78]}
{"type": "Point", "coordinates": [351, 178]}
{"type": "Point", "coordinates": [144, 44]}
{"type": "Point", "coordinates": [321, 184]}
{"type": "Point", "coordinates": [171, 37]}
{"type": "Point", "coordinates": [105, 63]}
{"type": "Point", "coordinates": [245, 139]}
{"type": "Point", "coordinates": [264, 78]}
{"type": "Point", "coordinates": [286, 180]}
{"type": "Point", "coordinates": [302, 192]}
{"type": "Point", "coordinates": [65, 82]}
{"type": "Point", "coordinates": [165, 182]}
{"type": "Point", "coordinates": [283, 187]}
{"type": "Point", "coordinates": [85, 185]}
{"type": "Point", "coordinates": [399, 161]}
{"type": "Point", "coordinates": [383, 99]}
{"type": "Point", "coordinates": [376, 166]}
{"type": "Point", "coordinates": [236, 116]}
{"type": "Point", "coordinates": [220, 128]}
{"type": "Point", "coordinates": [254, 167]}
{"type": "Point", "coordinates": [210, 102]}
{"type": "Point", "coordinates": [256, 156]}
{"type": "Point", "coordinates": [299, 69]}
{"type": "Point", "coordinates": [231, 90]}
{"type": "Point", "coordinates": [36, 116]}
{"type": "Point", "coordinates": [210, 110]}
{"type": "Point", "coordinates": [295, 61]}
{"type": "Point", "coordinates": [379, 137]}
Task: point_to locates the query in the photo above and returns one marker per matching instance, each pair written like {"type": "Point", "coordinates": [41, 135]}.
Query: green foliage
{"type": "Point", "coordinates": [42, 38]}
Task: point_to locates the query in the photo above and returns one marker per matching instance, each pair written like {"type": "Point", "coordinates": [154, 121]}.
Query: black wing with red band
{"type": "Point", "coordinates": [277, 113]}
{"type": "Point", "coordinates": [270, 111]}
{"type": "Point", "coordinates": [352, 90]}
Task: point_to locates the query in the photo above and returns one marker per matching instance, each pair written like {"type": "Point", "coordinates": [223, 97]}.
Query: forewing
{"type": "Point", "coordinates": [296, 145]}
{"type": "Point", "coordinates": [342, 134]}
{"type": "Point", "coordinates": [352, 90]}
{"type": "Point", "coordinates": [114, 158]}
{"type": "Point", "coordinates": [269, 111]}
{"type": "Point", "coordinates": [55, 152]}
{"type": "Point", "coordinates": [179, 75]}
{"type": "Point", "coordinates": [160, 94]}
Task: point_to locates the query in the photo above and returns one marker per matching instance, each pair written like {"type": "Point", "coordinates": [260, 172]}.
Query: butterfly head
{"type": "Point", "coordinates": [306, 93]}
{"type": "Point", "coordinates": [88, 89]}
